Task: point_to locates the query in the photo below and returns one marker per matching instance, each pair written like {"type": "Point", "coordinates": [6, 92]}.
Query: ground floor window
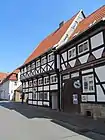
{"type": "Point", "coordinates": [88, 83]}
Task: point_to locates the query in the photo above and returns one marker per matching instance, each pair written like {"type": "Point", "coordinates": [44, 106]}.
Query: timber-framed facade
{"type": "Point", "coordinates": [82, 69]}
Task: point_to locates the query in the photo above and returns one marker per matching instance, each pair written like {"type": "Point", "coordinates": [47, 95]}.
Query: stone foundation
{"type": "Point", "coordinates": [96, 110]}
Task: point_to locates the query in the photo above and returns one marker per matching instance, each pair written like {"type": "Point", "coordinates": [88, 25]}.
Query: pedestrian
{"type": "Point", "coordinates": [22, 97]}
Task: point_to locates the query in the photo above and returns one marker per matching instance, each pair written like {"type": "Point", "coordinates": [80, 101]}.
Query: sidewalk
{"type": "Point", "coordinates": [75, 122]}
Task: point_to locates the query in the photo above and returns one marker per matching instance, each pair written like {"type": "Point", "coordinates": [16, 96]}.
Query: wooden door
{"type": "Point", "coordinates": [70, 97]}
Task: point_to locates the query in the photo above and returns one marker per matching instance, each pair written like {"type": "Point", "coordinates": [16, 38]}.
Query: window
{"type": "Point", "coordinates": [33, 65]}
{"type": "Point", "coordinates": [40, 82]}
{"type": "Point", "coordinates": [37, 63]}
{"type": "Point", "coordinates": [30, 83]}
{"type": "Point", "coordinates": [88, 83]}
{"type": "Point", "coordinates": [26, 84]}
{"type": "Point", "coordinates": [46, 96]}
{"type": "Point", "coordinates": [15, 83]}
{"type": "Point", "coordinates": [43, 60]}
{"type": "Point", "coordinates": [53, 79]}
{"type": "Point", "coordinates": [40, 96]}
{"type": "Point", "coordinates": [50, 57]}
{"type": "Point", "coordinates": [28, 67]}
{"type": "Point", "coordinates": [25, 69]}
{"type": "Point", "coordinates": [35, 82]}
{"type": "Point", "coordinates": [46, 80]}
{"type": "Point", "coordinates": [22, 71]}
{"type": "Point", "coordinates": [35, 96]}
{"type": "Point", "coordinates": [72, 53]}
{"type": "Point", "coordinates": [83, 47]}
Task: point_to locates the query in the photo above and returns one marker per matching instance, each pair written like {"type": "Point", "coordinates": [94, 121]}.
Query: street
{"type": "Point", "coordinates": [15, 126]}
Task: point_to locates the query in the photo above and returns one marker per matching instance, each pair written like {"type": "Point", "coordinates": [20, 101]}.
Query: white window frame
{"type": "Point", "coordinates": [39, 82]}
{"type": "Point", "coordinates": [38, 63]}
{"type": "Point", "coordinates": [50, 57]}
{"type": "Point", "coordinates": [25, 69]}
{"type": "Point", "coordinates": [33, 65]}
{"type": "Point", "coordinates": [83, 50]}
{"type": "Point", "coordinates": [83, 79]}
{"type": "Point", "coordinates": [46, 81]}
{"type": "Point", "coordinates": [43, 60]}
{"type": "Point", "coordinates": [52, 79]}
{"type": "Point", "coordinates": [72, 54]}
{"type": "Point", "coordinates": [35, 82]}
{"type": "Point", "coordinates": [30, 85]}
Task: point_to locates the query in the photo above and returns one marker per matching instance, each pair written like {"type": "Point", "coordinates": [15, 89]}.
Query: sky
{"type": "Point", "coordinates": [24, 23]}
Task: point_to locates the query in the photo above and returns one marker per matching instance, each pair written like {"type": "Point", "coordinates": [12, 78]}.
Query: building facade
{"type": "Point", "coordinates": [68, 72]}
{"type": "Point", "coordinates": [40, 73]}
{"type": "Point", "coordinates": [82, 67]}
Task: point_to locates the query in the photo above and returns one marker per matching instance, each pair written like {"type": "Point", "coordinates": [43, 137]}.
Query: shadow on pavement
{"type": "Point", "coordinates": [78, 124]}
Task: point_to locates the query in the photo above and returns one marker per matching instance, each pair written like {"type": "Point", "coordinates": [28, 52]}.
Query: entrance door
{"type": "Point", "coordinates": [70, 96]}
{"type": "Point", "coordinates": [54, 101]}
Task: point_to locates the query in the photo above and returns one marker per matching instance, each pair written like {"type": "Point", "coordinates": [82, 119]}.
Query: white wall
{"type": "Point", "coordinates": [4, 94]}
{"type": "Point", "coordinates": [8, 88]}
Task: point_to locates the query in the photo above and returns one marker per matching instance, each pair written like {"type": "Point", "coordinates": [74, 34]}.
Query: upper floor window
{"type": "Point", "coordinates": [53, 78]}
{"type": "Point", "coordinates": [33, 65]}
{"type": "Point", "coordinates": [28, 67]}
{"type": "Point", "coordinates": [37, 63]}
{"type": "Point", "coordinates": [83, 47]}
{"type": "Point", "coordinates": [46, 80]}
{"type": "Point", "coordinates": [40, 82]}
{"type": "Point", "coordinates": [25, 69]}
{"type": "Point", "coordinates": [88, 83]}
{"type": "Point", "coordinates": [24, 84]}
{"type": "Point", "coordinates": [27, 84]}
{"type": "Point", "coordinates": [30, 83]}
{"type": "Point", "coordinates": [22, 71]}
{"type": "Point", "coordinates": [43, 60]}
{"type": "Point", "coordinates": [50, 57]}
{"type": "Point", "coordinates": [35, 82]}
{"type": "Point", "coordinates": [72, 53]}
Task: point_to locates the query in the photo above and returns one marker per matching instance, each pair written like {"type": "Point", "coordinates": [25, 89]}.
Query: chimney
{"type": "Point", "coordinates": [61, 24]}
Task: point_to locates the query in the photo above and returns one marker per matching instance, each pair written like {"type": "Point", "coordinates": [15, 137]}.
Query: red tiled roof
{"type": "Point", "coordinates": [84, 24]}
{"type": "Point", "coordinates": [3, 75]}
{"type": "Point", "coordinates": [11, 76]}
{"type": "Point", "coordinates": [50, 41]}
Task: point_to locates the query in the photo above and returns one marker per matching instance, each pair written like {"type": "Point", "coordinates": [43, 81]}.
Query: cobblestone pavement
{"type": "Point", "coordinates": [24, 122]}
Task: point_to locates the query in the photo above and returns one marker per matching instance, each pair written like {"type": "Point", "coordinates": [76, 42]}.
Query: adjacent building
{"type": "Point", "coordinates": [66, 70]}
{"type": "Point", "coordinates": [9, 84]}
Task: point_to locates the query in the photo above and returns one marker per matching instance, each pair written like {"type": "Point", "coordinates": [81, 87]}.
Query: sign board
{"type": "Point", "coordinates": [77, 84]}
{"type": "Point", "coordinates": [75, 98]}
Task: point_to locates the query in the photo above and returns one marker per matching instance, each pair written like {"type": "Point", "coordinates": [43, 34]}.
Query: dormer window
{"type": "Point", "coordinates": [50, 57]}
{"type": "Point", "coordinates": [37, 63]}
{"type": "Point", "coordinates": [43, 60]}
{"type": "Point", "coordinates": [83, 47]}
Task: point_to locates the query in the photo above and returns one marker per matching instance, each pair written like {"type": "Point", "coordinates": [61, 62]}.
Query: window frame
{"type": "Point", "coordinates": [39, 84]}
{"type": "Point", "coordinates": [52, 58]}
{"type": "Point", "coordinates": [52, 80]}
{"type": "Point", "coordinates": [43, 60]}
{"type": "Point", "coordinates": [83, 49]}
{"type": "Point", "coordinates": [38, 63]}
{"type": "Point", "coordinates": [74, 48]}
{"type": "Point", "coordinates": [93, 83]}
{"type": "Point", "coordinates": [47, 77]}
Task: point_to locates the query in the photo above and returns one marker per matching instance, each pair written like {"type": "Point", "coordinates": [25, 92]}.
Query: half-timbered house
{"type": "Point", "coordinates": [40, 72]}
{"type": "Point", "coordinates": [82, 67]}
